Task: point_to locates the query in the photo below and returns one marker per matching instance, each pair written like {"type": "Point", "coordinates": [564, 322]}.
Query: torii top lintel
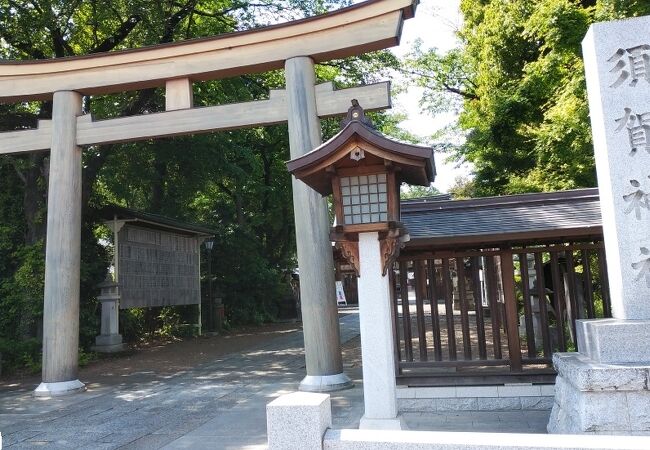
{"type": "Point", "coordinates": [364, 27]}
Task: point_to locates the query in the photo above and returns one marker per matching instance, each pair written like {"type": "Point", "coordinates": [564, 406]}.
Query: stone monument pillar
{"type": "Point", "coordinates": [317, 287]}
{"type": "Point", "coordinates": [604, 388]}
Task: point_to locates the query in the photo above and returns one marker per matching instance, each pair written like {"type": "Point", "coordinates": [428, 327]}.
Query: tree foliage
{"type": "Point", "coordinates": [413, 192]}
{"type": "Point", "coordinates": [518, 80]}
{"type": "Point", "coordinates": [234, 182]}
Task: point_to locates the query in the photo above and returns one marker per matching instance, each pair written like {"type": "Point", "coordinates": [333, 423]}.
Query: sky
{"type": "Point", "coordinates": [435, 22]}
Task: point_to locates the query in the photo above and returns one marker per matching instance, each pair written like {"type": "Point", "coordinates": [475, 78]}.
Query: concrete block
{"type": "Point", "coordinates": [537, 403]}
{"type": "Point", "coordinates": [519, 391]}
{"type": "Point", "coordinates": [109, 343]}
{"type": "Point", "coordinates": [564, 412]}
{"type": "Point", "coordinates": [298, 421]}
{"type": "Point", "coordinates": [587, 375]}
{"type": "Point", "coordinates": [436, 392]}
{"type": "Point", "coordinates": [405, 392]}
{"type": "Point", "coordinates": [499, 404]}
{"type": "Point", "coordinates": [547, 389]}
{"type": "Point", "coordinates": [638, 404]}
{"type": "Point", "coordinates": [560, 422]}
{"type": "Point", "coordinates": [603, 411]}
{"type": "Point", "coordinates": [614, 341]}
{"type": "Point", "coordinates": [599, 411]}
{"type": "Point", "coordinates": [416, 405]}
{"type": "Point", "coordinates": [368, 423]}
{"type": "Point", "coordinates": [435, 440]}
{"type": "Point", "coordinates": [476, 391]}
{"type": "Point", "coordinates": [456, 404]}
{"type": "Point", "coordinates": [108, 339]}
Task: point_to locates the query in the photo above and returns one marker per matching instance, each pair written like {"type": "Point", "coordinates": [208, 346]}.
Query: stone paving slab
{"type": "Point", "coordinates": [200, 443]}
{"type": "Point", "coordinates": [153, 441]}
{"type": "Point", "coordinates": [218, 405]}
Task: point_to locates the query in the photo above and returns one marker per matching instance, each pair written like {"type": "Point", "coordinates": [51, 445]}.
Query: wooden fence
{"type": "Point", "coordinates": [492, 316]}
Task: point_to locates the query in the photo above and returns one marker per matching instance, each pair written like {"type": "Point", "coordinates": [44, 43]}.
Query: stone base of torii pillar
{"type": "Point", "coordinates": [60, 388]}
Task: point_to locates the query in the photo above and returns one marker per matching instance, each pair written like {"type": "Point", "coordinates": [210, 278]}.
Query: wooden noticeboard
{"type": "Point", "coordinates": [157, 268]}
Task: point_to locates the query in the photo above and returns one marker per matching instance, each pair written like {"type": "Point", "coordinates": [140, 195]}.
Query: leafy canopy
{"type": "Point", "coordinates": [518, 81]}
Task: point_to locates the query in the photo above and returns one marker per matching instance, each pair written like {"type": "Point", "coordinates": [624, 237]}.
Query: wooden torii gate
{"type": "Point", "coordinates": [296, 46]}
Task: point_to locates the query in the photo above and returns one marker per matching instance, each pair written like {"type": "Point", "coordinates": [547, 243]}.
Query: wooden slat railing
{"type": "Point", "coordinates": [494, 315]}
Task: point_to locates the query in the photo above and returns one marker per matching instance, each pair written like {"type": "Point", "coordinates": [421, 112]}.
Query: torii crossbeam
{"type": "Point", "coordinates": [296, 46]}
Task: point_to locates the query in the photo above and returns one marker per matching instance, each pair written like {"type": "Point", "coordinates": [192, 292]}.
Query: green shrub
{"type": "Point", "coordinates": [20, 355]}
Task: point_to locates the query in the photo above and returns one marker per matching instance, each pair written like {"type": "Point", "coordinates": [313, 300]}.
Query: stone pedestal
{"type": "Point", "coordinates": [110, 339]}
{"type": "Point", "coordinates": [598, 398]}
{"type": "Point", "coordinates": [377, 342]}
{"type": "Point", "coordinates": [614, 341]}
{"type": "Point", "coordinates": [297, 421]}
{"type": "Point", "coordinates": [604, 388]}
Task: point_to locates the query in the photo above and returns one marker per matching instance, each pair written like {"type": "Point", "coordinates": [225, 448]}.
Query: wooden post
{"type": "Point", "coordinates": [200, 311]}
{"type": "Point", "coordinates": [317, 285]}
{"type": "Point", "coordinates": [178, 94]}
{"type": "Point", "coordinates": [514, 346]}
{"type": "Point", "coordinates": [63, 252]}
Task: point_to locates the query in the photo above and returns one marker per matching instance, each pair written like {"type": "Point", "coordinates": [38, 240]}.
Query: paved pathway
{"type": "Point", "coordinates": [220, 405]}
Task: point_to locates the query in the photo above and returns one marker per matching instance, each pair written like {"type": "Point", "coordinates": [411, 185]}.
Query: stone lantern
{"type": "Point", "coordinates": [363, 170]}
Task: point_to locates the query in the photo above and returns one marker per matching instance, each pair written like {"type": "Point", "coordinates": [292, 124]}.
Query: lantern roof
{"type": "Point", "coordinates": [359, 145]}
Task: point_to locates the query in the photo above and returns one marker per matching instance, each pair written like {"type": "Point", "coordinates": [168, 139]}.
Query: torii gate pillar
{"type": "Point", "coordinates": [63, 252]}
{"type": "Point", "coordinates": [317, 285]}
{"type": "Point", "coordinates": [357, 29]}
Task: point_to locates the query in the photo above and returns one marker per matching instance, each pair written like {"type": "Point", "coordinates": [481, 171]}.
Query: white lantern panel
{"type": "Point", "coordinates": [365, 198]}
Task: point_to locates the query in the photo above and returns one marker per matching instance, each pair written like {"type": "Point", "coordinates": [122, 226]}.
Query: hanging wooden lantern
{"type": "Point", "coordinates": [363, 170]}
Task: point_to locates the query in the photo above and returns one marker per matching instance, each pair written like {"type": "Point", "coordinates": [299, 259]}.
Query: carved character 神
{"type": "Point", "coordinates": [637, 200]}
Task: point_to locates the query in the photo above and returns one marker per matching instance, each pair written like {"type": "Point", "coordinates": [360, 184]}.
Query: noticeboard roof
{"type": "Point", "coordinates": [154, 221]}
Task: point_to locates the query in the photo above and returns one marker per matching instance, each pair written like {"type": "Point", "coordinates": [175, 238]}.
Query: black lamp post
{"type": "Point", "coordinates": [209, 243]}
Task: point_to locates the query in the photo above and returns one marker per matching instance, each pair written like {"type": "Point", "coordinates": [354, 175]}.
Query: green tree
{"type": "Point", "coordinates": [519, 79]}
{"type": "Point", "coordinates": [412, 192]}
{"type": "Point", "coordinates": [463, 188]}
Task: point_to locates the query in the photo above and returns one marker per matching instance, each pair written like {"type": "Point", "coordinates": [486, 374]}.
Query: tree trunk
{"type": "Point", "coordinates": [158, 187]}
{"type": "Point", "coordinates": [34, 196]}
